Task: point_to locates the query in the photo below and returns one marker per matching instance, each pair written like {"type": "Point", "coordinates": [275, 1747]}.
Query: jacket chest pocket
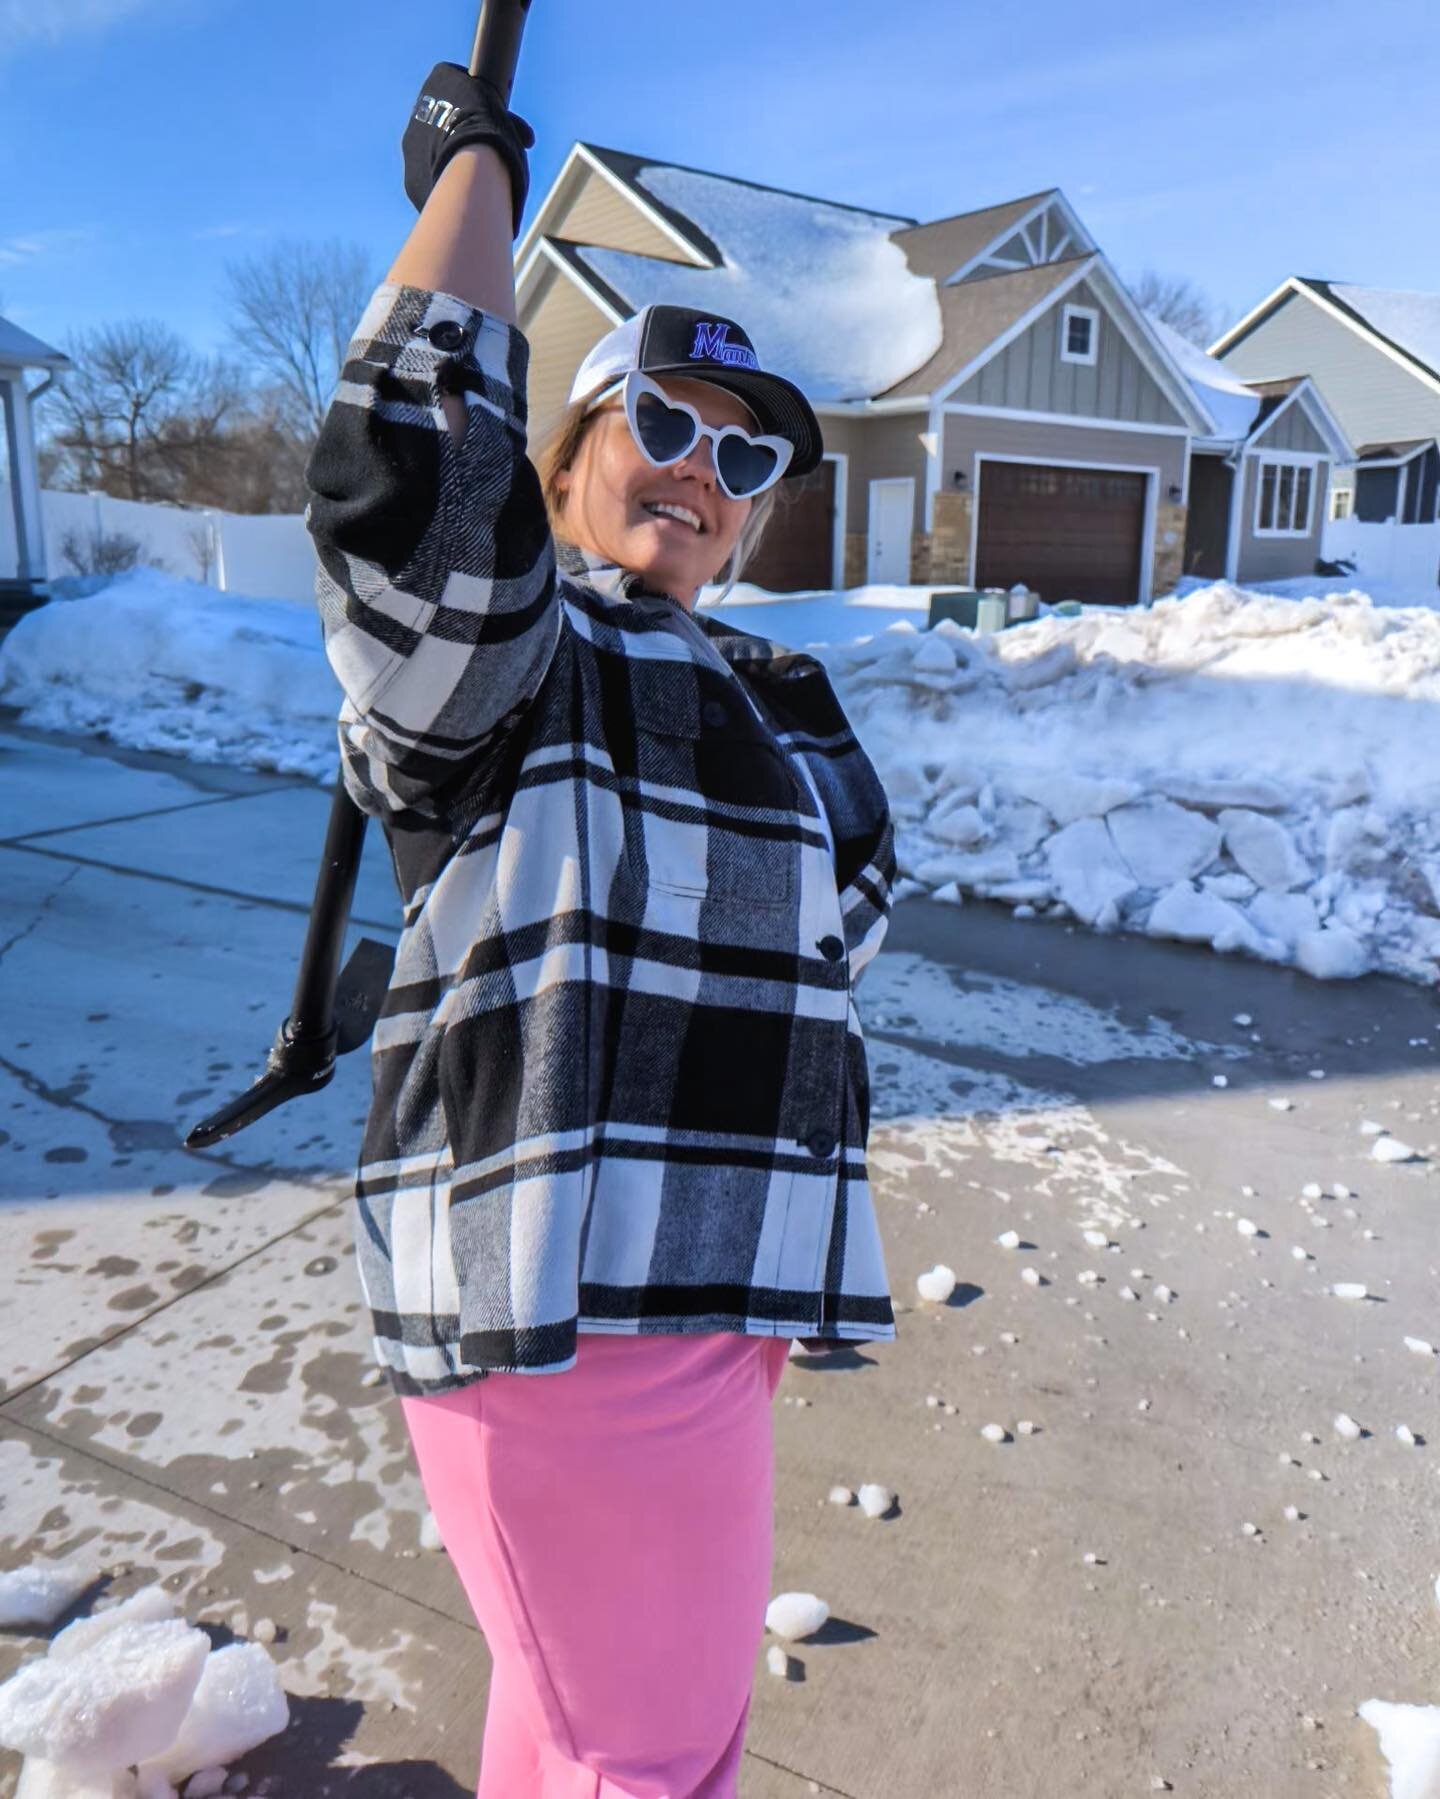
{"type": "Point", "coordinates": [713, 809]}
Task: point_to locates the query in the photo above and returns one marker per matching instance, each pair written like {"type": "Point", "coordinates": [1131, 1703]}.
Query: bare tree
{"type": "Point", "coordinates": [139, 415]}
{"type": "Point", "coordinates": [295, 308]}
{"type": "Point", "coordinates": [1182, 305]}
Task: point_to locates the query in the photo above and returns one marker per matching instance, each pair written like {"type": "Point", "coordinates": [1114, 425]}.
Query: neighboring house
{"type": "Point", "coordinates": [22, 537]}
{"type": "Point", "coordinates": [1257, 501]}
{"type": "Point", "coordinates": [1374, 354]}
{"type": "Point", "coordinates": [995, 406]}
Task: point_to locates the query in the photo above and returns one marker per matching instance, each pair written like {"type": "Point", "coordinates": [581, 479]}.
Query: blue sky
{"type": "Point", "coordinates": [148, 142]}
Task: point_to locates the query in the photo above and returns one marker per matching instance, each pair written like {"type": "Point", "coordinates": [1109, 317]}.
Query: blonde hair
{"type": "Point", "coordinates": [556, 456]}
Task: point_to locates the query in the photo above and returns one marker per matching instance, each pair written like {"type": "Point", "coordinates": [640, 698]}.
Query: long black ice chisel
{"type": "Point", "coordinates": [333, 1011]}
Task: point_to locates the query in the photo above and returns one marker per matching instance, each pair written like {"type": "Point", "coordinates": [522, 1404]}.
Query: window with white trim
{"type": "Point", "coordinates": [1340, 502]}
{"type": "Point", "coordinates": [1079, 334]}
{"type": "Point", "coordinates": [1282, 499]}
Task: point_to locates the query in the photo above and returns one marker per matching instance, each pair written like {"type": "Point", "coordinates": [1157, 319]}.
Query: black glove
{"type": "Point", "coordinates": [455, 108]}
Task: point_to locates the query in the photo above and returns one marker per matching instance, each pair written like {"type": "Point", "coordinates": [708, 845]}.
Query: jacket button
{"type": "Point", "coordinates": [832, 948]}
{"type": "Point", "coordinates": [447, 335]}
{"type": "Point", "coordinates": [821, 1144]}
{"type": "Point", "coordinates": [714, 714]}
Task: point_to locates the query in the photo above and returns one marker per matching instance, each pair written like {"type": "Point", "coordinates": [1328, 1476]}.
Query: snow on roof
{"type": "Point", "coordinates": [1409, 320]}
{"type": "Point", "coordinates": [19, 350]}
{"type": "Point", "coordinates": [1233, 406]}
{"type": "Point", "coordinates": [825, 295]}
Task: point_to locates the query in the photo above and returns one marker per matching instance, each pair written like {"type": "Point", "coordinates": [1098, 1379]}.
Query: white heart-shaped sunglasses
{"type": "Point", "coordinates": [666, 430]}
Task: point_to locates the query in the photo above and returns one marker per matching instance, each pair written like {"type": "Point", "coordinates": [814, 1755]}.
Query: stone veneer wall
{"type": "Point", "coordinates": [942, 555]}
{"type": "Point", "coordinates": [1169, 563]}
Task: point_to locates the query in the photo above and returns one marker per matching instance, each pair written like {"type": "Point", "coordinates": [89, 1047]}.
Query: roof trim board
{"type": "Point", "coordinates": [1309, 398]}
{"type": "Point", "coordinates": [1085, 244]}
{"type": "Point", "coordinates": [694, 253]}
{"type": "Point", "coordinates": [1318, 293]}
{"type": "Point", "coordinates": [559, 255]}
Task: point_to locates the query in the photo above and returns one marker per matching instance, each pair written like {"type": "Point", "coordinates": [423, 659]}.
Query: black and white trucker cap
{"type": "Point", "coordinates": [676, 340]}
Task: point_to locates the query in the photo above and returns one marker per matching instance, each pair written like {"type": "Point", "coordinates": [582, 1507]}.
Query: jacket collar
{"type": "Point", "coordinates": [757, 655]}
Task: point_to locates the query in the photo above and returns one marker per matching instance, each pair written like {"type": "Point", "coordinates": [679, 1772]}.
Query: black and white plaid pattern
{"type": "Point", "coordinates": [619, 1080]}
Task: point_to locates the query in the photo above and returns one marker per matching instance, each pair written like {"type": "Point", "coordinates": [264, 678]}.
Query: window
{"type": "Point", "coordinates": [1282, 499]}
{"type": "Point", "coordinates": [1340, 502]}
{"type": "Point", "coordinates": [1079, 334]}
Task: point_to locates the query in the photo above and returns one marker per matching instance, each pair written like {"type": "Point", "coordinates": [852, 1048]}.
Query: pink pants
{"type": "Point", "coordinates": [613, 1527]}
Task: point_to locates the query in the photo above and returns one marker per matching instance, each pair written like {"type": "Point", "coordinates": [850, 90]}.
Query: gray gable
{"type": "Point", "coordinates": [1028, 375]}
{"type": "Point", "coordinates": [1292, 430]}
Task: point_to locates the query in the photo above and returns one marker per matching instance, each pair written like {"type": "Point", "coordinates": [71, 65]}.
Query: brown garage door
{"type": "Point", "coordinates": [798, 548]}
{"type": "Point", "coordinates": [1068, 533]}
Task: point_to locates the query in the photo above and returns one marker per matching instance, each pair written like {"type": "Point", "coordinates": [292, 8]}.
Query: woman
{"type": "Point", "coordinates": [620, 1098]}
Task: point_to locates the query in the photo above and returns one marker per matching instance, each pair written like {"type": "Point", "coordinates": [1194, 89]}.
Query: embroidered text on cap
{"type": "Point", "coordinates": [711, 344]}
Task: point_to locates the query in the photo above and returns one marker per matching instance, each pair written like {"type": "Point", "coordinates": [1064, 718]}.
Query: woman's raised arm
{"type": "Point", "coordinates": [436, 585]}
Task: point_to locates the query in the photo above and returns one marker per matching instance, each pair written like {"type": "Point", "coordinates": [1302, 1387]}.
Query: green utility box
{"type": "Point", "coordinates": [991, 610]}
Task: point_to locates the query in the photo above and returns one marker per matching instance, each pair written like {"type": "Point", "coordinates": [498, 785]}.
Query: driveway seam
{"type": "Point", "coordinates": [65, 1445]}
{"type": "Point", "coordinates": [299, 908]}
{"type": "Point", "coordinates": [126, 818]}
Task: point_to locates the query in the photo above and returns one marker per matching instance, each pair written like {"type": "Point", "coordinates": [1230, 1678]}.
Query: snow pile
{"type": "Point", "coordinates": [826, 297]}
{"type": "Point", "coordinates": [133, 1700]}
{"type": "Point", "coordinates": [161, 664]}
{"type": "Point", "coordinates": [1231, 769]}
{"type": "Point", "coordinates": [1410, 1742]}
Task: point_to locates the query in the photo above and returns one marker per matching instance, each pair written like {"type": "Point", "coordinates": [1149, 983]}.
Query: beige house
{"type": "Point", "coordinates": [996, 409]}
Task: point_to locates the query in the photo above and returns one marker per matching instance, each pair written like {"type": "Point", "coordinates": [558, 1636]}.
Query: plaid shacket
{"type": "Point", "coordinates": [619, 1082]}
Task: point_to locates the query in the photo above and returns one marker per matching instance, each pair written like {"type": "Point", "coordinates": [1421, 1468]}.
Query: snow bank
{"type": "Point", "coordinates": [160, 664]}
{"type": "Point", "coordinates": [827, 298]}
{"type": "Point", "coordinates": [1255, 773]}
{"type": "Point", "coordinates": [131, 1686]}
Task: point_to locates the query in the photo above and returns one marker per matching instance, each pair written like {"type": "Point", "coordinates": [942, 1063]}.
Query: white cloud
{"type": "Point", "coordinates": [35, 246]}
{"type": "Point", "coordinates": [24, 22]}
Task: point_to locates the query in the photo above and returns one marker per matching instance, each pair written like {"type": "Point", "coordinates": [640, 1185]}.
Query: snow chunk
{"type": "Point", "coordinates": [994, 1433]}
{"type": "Point", "coordinates": [1333, 954]}
{"type": "Point", "coordinates": [238, 1705]}
{"type": "Point", "coordinates": [1009, 1239]}
{"type": "Point", "coordinates": [119, 1702]}
{"type": "Point", "coordinates": [1264, 849]}
{"type": "Point", "coordinates": [1089, 873]}
{"type": "Point", "coordinates": [1410, 1742]}
{"type": "Point", "coordinates": [1418, 1346]}
{"type": "Point", "coordinates": [206, 1784]}
{"type": "Point", "coordinates": [151, 1605]}
{"type": "Point", "coordinates": [875, 1500]}
{"type": "Point", "coordinates": [1068, 796]}
{"type": "Point", "coordinates": [1196, 917]}
{"type": "Point", "coordinates": [777, 1661]}
{"type": "Point", "coordinates": [39, 1594]}
{"type": "Point", "coordinates": [938, 1284]}
{"type": "Point", "coordinates": [1350, 1290]}
{"type": "Point", "coordinates": [1161, 842]}
{"type": "Point", "coordinates": [1345, 1426]}
{"type": "Point", "coordinates": [1392, 1149]}
{"type": "Point", "coordinates": [795, 1615]}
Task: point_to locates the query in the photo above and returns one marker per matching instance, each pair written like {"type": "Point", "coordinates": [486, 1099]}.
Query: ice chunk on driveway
{"type": "Point", "coordinates": [1067, 796]}
{"type": "Point", "coordinates": [1203, 918]}
{"type": "Point", "coordinates": [119, 1702]}
{"type": "Point", "coordinates": [238, 1705]}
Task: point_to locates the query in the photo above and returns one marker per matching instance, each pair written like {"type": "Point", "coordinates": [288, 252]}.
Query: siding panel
{"type": "Point", "coordinates": [1373, 397]}
{"type": "Point", "coordinates": [1292, 430]}
{"type": "Point", "coordinates": [1029, 376]}
{"type": "Point", "coordinates": [562, 326]}
{"type": "Point", "coordinates": [1275, 558]}
{"type": "Point", "coordinates": [600, 214]}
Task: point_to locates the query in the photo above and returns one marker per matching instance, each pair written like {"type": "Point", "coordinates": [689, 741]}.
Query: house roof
{"type": "Point", "coordinates": [1393, 452]}
{"type": "Point", "coordinates": [1408, 322]}
{"type": "Point", "coordinates": [974, 314]}
{"type": "Point", "coordinates": [941, 246]}
{"type": "Point", "coordinates": [827, 297]}
{"type": "Point", "coordinates": [1234, 406]}
{"type": "Point", "coordinates": [19, 350]}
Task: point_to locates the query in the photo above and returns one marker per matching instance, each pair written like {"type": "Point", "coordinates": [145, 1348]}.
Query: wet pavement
{"type": "Point", "coordinates": [184, 1355]}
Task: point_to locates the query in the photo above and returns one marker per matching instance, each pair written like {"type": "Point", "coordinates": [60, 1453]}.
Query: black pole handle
{"type": "Point", "coordinates": [322, 1025]}
{"type": "Point", "coordinates": [496, 49]}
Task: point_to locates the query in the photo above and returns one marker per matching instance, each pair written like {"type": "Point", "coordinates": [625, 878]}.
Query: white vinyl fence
{"type": "Point", "coordinates": [266, 555]}
{"type": "Point", "coordinates": [1407, 555]}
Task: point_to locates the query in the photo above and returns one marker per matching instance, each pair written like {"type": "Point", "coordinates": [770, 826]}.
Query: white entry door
{"type": "Point", "coordinates": [892, 509]}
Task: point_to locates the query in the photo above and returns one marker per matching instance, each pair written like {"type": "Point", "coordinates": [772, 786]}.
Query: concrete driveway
{"type": "Point", "coordinates": [1080, 1609]}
